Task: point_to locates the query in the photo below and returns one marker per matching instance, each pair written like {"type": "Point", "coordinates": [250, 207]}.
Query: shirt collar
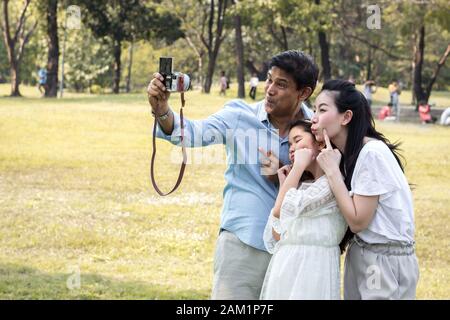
{"type": "Point", "coordinates": [263, 116]}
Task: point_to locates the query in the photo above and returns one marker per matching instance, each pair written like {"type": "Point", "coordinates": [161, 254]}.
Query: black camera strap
{"type": "Point", "coordinates": [183, 148]}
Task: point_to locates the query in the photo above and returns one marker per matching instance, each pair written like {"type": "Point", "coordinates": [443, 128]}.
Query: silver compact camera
{"type": "Point", "coordinates": [174, 81]}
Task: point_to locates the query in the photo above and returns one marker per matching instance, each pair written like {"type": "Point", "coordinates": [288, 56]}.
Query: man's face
{"type": "Point", "coordinates": [282, 95]}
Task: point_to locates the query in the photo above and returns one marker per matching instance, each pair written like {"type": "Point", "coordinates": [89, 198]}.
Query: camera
{"type": "Point", "coordinates": [174, 81]}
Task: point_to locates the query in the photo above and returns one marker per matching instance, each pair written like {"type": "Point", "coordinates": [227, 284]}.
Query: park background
{"type": "Point", "coordinates": [78, 216]}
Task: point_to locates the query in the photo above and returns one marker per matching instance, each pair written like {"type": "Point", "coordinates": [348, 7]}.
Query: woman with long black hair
{"type": "Point", "coordinates": [366, 176]}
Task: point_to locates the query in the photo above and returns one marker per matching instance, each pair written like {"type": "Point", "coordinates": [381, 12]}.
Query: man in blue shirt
{"type": "Point", "coordinates": [42, 73]}
{"type": "Point", "coordinates": [241, 260]}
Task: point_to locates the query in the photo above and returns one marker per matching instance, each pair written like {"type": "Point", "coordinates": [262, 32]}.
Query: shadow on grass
{"type": "Point", "coordinates": [22, 282]}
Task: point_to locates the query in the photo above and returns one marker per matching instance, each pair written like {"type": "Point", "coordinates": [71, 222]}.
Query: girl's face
{"type": "Point", "coordinates": [326, 116]}
{"type": "Point", "coordinates": [299, 139]}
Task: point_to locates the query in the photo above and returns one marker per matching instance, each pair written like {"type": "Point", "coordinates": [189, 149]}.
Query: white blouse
{"type": "Point", "coordinates": [305, 262]}
{"type": "Point", "coordinates": [377, 173]}
{"type": "Point", "coordinates": [309, 215]}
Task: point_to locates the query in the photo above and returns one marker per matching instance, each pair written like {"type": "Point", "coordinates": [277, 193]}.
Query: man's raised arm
{"type": "Point", "coordinates": [158, 97]}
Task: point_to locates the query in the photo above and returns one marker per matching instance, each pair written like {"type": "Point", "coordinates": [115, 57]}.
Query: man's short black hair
{"type": "Point", "coordinates": [299, 65]}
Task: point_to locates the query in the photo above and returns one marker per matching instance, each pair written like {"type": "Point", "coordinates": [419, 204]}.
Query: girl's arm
{"type": "Point", "coordinates": [292, 181]}
{"type": "Point", "coordinates": [357, 211]}
{"type": "Point", "coordinates": [302, 158]}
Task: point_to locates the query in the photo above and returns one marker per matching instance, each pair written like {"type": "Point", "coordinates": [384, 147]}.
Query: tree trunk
{"type": "Point", "coordinates": [324, 52]}
{"type": "Point", "coordinates": [285, 40]}
{"type": "Point", "coordinates": [200, 70]}
{"type": "Point", "coordinates": [311, 50]}
{"type": "Point", "coordinates": [436, 72]}
{"type": "Point", "coordinates": [369, 64]}
{"type": "Point", "coordinates": [15, 81]}
{"type": "Point", "coordinates": [282, 42]}
{"type": "Point", "coordinates": [199, 55]}
{"type": "Point", "coordinates": [418, 62]}
{"type": "Point", "coordinates": [411, 79]}
{"type": "Point", "coordinates": [209, 73]}
{"type": "Point", "coordinates": [214, 42]}
{"type": "Point", "coordinates": [325, 56]}
{"type": "Point", "coordinates": [21, 37]}
{"type": "Point", "coordinates": [261, 73]}
{"type": "Point", "coordinates": [130, 63]}
{"type": "Point", "coordinates": [51, 89]}
{"type": "Point", "coordinates": [239, 56]}
{"type": "Point", "coordinates": [117, 53]}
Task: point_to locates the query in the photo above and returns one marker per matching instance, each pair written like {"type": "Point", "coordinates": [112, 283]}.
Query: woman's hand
{"type": "Point", "coordinates": [283, 172]}
{"type": "Point", "coordinates": [329, 158]}
{"type": "Point", "coordinates": [303, 158]}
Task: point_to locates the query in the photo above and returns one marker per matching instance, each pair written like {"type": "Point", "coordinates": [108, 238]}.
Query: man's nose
{"type": "Point", "coordinates": [271, 89]}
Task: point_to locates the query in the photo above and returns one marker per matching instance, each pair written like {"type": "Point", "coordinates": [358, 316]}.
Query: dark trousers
{"type": "Point", "coordinates": [253, 93]}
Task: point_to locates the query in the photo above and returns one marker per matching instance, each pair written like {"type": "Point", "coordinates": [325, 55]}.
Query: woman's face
{"type": "Point", "coordinates": [326, 116]}
{"type": "Point", "coordinates": [299, 139]}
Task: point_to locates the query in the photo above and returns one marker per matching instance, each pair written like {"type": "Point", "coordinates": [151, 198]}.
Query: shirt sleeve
{"type": "Point", "coordinates": [301, 201]}
{"type": "Point", "coordinates": [269, 241]}
{"type": "Point", "coordinates": [199, 133]}
{"type": "Point", "coordinates": [375, 176]}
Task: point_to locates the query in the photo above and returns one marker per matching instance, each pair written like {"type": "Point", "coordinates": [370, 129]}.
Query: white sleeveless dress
{"type": "Point", "coordinates": [305, 262]}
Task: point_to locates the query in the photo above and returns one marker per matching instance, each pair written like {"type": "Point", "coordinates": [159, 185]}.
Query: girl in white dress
{"type": "Point", "coordinates": [367, 179]}
{"type": "Point", "coordinates": [305, 227]}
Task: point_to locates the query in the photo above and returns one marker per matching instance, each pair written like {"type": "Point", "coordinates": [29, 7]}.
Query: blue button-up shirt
{"type": "Point", "coordinates": [248, 195]}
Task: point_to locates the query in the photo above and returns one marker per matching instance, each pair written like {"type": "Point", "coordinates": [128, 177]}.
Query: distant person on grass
{"type": "Point", "coordinates": [223, 82]}
{"type": "Point", "coordinates": [253, 85]}
{"type": "Point", "coordinates": [369, 88]}
{"type": "Point", "coordinates": [394, 92]}
{"type": "Point", "coordinates": [445, 117]}
{"type": "Point", "coordinates": [42, 83]}
{"type": "Point", "coordinates": [425, 113]}
{"type": "Point", "coordinates": [385, 112]}
{"type": "Point", "coordinates": [241, 259]}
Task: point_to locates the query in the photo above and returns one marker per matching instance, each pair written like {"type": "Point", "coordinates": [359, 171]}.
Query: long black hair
{"type": "Point", "coordinates": [347, 97]}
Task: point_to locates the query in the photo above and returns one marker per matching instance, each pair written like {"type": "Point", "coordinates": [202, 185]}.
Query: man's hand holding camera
{"type": "Point", "coordinates": [158, 97]}
{"type": "Point", "coordinates": [164, 82]}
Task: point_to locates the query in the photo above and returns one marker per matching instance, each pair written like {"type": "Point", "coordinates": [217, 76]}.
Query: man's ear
{"type": "Point", "coordinates": [305, 93]}
{"type": "Point", "coordinates": [348, 115]}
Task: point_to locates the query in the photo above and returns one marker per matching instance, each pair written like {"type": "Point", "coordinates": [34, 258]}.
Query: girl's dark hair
{"type": "Point", "coordinates": [305, 124]}
{"type": "Point", "coordinates": [362, 124]}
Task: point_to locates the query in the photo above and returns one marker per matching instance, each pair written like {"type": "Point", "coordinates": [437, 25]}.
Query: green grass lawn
{"type": "Point", "coordinates": [75, 196]}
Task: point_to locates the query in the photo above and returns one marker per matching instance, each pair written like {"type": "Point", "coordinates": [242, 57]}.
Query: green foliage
{"type": "Point", "coordinates": [129, 20]}
{"type": "Point", "coordinates": [4, 64]}
{"type": "Point", "coordinates": [87, 61]}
